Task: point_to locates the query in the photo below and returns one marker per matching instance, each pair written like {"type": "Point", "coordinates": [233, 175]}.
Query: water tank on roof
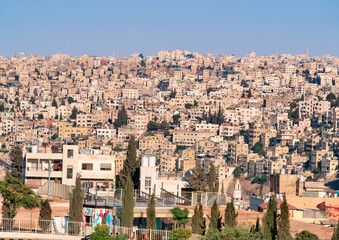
{"type": "Point", "coordinates": [144, 161]}
{"type": "Point", "coordinates": [34, 149]}
{"type": "Point", "coordinates": [151, 161]}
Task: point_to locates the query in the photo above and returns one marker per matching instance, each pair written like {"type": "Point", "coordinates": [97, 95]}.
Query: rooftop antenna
{"type": "Point", "coordinates": [113, 54]}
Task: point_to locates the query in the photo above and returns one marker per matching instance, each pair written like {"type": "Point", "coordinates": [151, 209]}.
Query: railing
{"type": "Point", "coordinates": [108, 196]}
{"type": "Point", "coordinates": [43, 226]}
{"type": "Point", "coordinates": [78, 229]}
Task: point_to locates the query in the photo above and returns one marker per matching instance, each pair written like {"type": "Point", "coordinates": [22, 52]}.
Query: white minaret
{"type": "Point", "coordinates": [237, 199]}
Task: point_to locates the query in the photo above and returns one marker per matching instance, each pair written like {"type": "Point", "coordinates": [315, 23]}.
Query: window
{"type": "Point", "coordinates": [88, 220]}
{"type": "Point", "coordinates": [69, 172]}
{"type": "Point", "coordinates": [87, 166]}
{"type": "Point", "coordinates": [105, 167]}
{"type": "Point", "coordinates": [148, 182]}
{"type": "Point", "coordinates": [69, 153]}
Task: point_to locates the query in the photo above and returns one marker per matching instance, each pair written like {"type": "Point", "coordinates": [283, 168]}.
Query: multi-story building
{"type": "Point", "coordinates": [94, 166]}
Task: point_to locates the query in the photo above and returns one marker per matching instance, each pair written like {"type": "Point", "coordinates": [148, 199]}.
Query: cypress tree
{"type": "Point", "coordinates": [284, 222]}
{"type": "Point", "coordinates": [270, 220]}
{"type": "Point", "coordinates": [45, 215]}
{"type": "Point", "coordinates": [54, 103]}
{"type": "Point", "coordinates": [151, 222]}
{"type": "Point", "coordinates": [215, 219]}
{"type": "Point", "coordinates": [122, 118]}
{"type": "Point", "coordinates": [216, 187]}
{"type": "Point", "coordinates": [130, 164]}
{"type": "Point", "coordinates": [220, 116]}
{"type": "Point", "coordinates": [127, 214]}
{"type": "Point", "coordinates": [198, 221]}
{"type": "Point", "coordinates": [257, 225]}
{"type": "Point", "coordinates": [16, 162]}
{"type": "Point", "coordinates": [212, 177]}
{"type": "Point", "coordinates": [76, 205]}
{"type": "Point", "coordinates": [197, 178]}
{"type": "Point", "coordinates": [230, 215]}
{"type": "Point", "coordinates": [74, 113]}
{"type": "Point", "coordinates": [222, 188]}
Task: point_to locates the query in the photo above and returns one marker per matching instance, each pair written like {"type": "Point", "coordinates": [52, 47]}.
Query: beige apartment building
{"type": "Point", "coordinates": [189, 138]}
{"type": "Point", "coordinates": [93, 165]}
{"type": "Point", "coordinates": [152, 143]}
{"type": "Point", "coordinates": [66, 130]}
{"type": "Point", "coordinates": [312, 106]}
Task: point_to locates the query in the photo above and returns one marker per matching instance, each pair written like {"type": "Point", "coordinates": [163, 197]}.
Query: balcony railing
{"type": "Point", "coordinates": [78, 229]}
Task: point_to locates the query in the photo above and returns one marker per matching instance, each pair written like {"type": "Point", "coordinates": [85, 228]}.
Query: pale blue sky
{"type": "Point", "coordinates": [97, 27]}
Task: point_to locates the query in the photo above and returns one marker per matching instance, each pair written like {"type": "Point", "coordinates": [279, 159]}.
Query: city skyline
{"type": "Point", "coordinates": [267, 28]}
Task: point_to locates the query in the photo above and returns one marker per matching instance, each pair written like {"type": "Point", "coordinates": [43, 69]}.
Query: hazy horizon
{"type": "Point", "coordinates": [238, 27]}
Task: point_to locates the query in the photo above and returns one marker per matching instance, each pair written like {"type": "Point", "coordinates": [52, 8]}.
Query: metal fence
{"type": "Point", "coordinates": [43, 226]}
{"type": "Point", "coordinates": [78, 229]}
{"type": "Point", "coordinates": [57, 190]}
{"type": "Point", "coordinates": [108, 196]}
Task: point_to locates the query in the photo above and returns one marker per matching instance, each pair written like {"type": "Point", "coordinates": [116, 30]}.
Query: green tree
{"type": "Point", "coordinates": [270, 220]}
{"type": "Point", "coordinates": [75, 206]}
{"type": "Point", "coordinates": [230, 215]}
{"type": "Point", "coordinates": [164, 125]}
{"type": "Point", "coordinates": [172, 94]}
{"type": "Point", "coordinates": [16, 162]}
{"type": "Point", "coordinates": [180, 234]}
{"type": "Point", "coordinates": [167, 133]}
{"type": "Point", "coordinates": [284, 222]}
{"type": "Point", "coordinates": [220, 116]}
{"type": "Point", "coordinates": [256, 228]}
{"type": "Point", "coordinates": [197, 178]}
{"type": "Point", "coordinates": [54, 103]}
{"type": "Point", "coordinates": [45, 215]}
{"type": "Point", "coordinates": [130, 164]}
{"type": "Point", "coordinates": [237, 172]}
{"type": "Point", "coordinates": [216, 187]}
{"type": "Point", "coordinates": [14, 196]}
{"type": "Point", "coordinates": [70, 100]}
{"type": "Point", "coordinates": [122, 118]}
{"type": "Point", "coordinates": [152, 126]}
{"type": "Point", "coordinates": [330, 97]}
{"type": "Point", "coordinates": [102, 232]}
{"type": "Point", "coordinates": [127, 213]}
{"type": "Point", "coordinates": [198, 221]}
{"type": "Point", "coordinates": [74, 113]}
{"type": "Point", "coordinates": [180, 216]}
{"type": "Point", "coordinates": [41, 116]}
{"type": "Point", "coordinates": [151, 223]}
{"type": "Point", "coordinates": [258, 147]}
{"type": "Point", "coordinates": [306, 235]}
{"type": "Point", "coordinates": [176, 118]}
{"type": "Point", "coordinates": [215, 219]}
{"type": "Point", "coordinates": [212, 177]}
{"type": "Point", "coordinates": [55, 136]}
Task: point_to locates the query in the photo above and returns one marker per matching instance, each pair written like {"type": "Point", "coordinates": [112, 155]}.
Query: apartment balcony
{"type": "Point", "coordinates": [42, 173]}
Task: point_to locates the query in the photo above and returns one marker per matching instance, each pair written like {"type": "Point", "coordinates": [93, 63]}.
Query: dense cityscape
{"type": "Point", "coordinates": [179, 145]}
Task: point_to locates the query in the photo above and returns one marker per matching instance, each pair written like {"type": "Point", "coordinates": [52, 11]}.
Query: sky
{"type": "Point", "coordinates": [98, 27]}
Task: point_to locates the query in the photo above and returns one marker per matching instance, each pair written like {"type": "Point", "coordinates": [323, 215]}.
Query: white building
{"type": "Point", "coordinates": [152, 182]}
{"type": "Point", "coordinates": [94, 166]}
